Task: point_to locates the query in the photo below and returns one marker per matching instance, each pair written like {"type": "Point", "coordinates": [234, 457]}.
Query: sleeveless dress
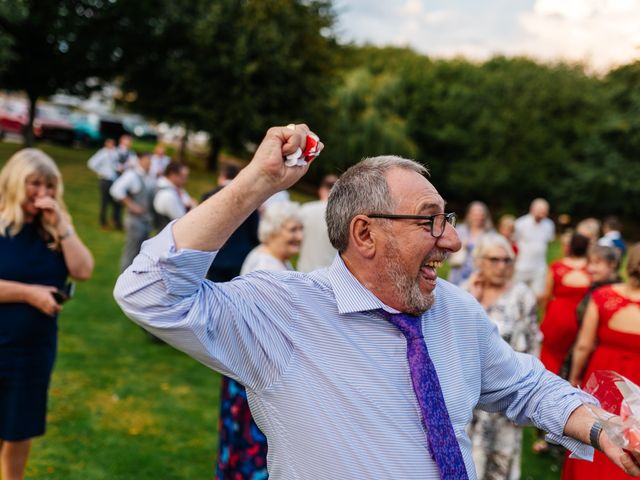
{"type": "Point", "coordinates": [560, 326]}
{"type": "Point", "coordinates": [28, 337]}
{"type": "Point", "coordinates": [618, 351]}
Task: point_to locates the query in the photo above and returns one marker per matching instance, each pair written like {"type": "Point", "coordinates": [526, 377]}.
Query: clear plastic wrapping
{"type": "Point", "coordinates": [620, 397]}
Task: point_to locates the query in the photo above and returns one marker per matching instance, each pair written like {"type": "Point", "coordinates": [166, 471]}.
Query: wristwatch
{"type": "Point", "coordinates": [594, 435]}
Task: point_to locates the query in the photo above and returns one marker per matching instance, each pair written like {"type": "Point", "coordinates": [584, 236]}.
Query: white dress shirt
{"type": "Point", "coordinates": [533, 240]}
{"type": "Point", "coordinates": [169, 200]}
{"type": "Point", "coordinates": [130, 183]}
{"type": "Point", "coordinates": [105, 163]}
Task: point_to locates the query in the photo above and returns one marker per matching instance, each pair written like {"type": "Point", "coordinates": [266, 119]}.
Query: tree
{"type": "Point", "coordinates": [232, 68]}
{"type": "Point", "coordinates": [53, 45]}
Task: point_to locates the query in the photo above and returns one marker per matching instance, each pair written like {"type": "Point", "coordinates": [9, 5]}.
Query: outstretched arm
{"type": "Point", "coordinates": [208, 226]}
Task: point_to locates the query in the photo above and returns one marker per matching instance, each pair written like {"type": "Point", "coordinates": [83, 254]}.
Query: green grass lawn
{"type": "Point", "coordinates": [120, 406]}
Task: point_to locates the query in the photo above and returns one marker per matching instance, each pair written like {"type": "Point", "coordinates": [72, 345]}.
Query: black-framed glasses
{"type": "Point", "coordinates": [496, 260]}
{"type": "Point", "coordinates": [436, 223]}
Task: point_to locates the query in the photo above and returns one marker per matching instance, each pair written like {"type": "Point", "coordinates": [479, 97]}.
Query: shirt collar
{"type": "Point", "coordinates": [351, 295]}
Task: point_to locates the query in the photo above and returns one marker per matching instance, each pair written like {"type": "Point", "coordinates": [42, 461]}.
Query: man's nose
{"type": "Point", "coordinates": [449, 239]}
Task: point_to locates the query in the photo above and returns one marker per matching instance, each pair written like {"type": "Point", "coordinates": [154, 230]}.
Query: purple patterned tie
{"type": "Point", "coordinates": [441, 438]}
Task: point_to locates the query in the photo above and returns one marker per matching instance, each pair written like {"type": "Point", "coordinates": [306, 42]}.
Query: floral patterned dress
{"type": "Point", "coordinates": [242, 450]}
{"type": "Point", "coordinates": [496, 441]}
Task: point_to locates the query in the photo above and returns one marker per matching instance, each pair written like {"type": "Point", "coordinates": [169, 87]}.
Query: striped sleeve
{"type": "Point", "coordinates": [519, 385]}
{"type": "Point", "coordinates": [239, 328]}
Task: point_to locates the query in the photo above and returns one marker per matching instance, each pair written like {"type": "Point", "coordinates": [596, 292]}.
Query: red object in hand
{"type": "Point", "coordinates": [311, 149]}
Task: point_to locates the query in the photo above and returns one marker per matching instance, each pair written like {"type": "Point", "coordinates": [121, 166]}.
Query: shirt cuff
{"type": "Point", "coordinates": [182, 270]}
{"type": "Point", "coordinates": [579, 450]}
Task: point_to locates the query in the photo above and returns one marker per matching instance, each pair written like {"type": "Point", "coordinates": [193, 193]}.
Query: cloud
{"type": "Point", "coordinates": [600, 33]}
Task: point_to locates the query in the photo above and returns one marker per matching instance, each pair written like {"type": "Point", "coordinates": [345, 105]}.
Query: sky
{"type": "Point", "coordinates": [602, 34]}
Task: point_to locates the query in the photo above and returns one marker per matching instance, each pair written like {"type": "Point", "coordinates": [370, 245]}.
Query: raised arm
{"type": "Point", "coordinates": [77, 256]}
{"type": "Point", "coordinates": [227, 209]}
{"type": "Point", "coordinates": [226, 326]}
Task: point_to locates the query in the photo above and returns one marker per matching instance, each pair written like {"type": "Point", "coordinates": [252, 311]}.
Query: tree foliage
{"type": "Point", "coordinates": [230, 67]}
{"type": "Point", "coordinates": [503, 131]}
{"type": "Point", "coordinates": [54, 45]}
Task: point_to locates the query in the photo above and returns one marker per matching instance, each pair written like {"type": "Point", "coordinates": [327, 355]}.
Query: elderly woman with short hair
{"type": "Point", "coordinates": [242, 451]}
{"type": "Point", "coordinates": [512, 306]}
{"type": "Point", "coordinates": [280, 233]}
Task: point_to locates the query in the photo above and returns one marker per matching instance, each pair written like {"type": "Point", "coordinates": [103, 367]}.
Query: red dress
{"type": "Point", "coordinates": [618, 351]}
{"type": "Point", "coordinates": [560, 325]}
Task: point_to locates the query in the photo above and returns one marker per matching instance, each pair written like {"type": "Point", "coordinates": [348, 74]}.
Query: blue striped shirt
{"type": "Point", "coordinates": [327, 377]}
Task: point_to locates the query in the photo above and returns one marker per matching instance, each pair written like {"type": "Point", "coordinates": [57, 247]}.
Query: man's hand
{"type": "Point", "coordinates": [208, 226]}
{"type": "Point", "coordinates": [627, 461]}
{"type": "Point", "coordinates": [268, 162]}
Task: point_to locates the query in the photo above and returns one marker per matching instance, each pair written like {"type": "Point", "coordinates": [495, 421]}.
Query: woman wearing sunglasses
{"type": "Point", "coordinates": [512, 306]}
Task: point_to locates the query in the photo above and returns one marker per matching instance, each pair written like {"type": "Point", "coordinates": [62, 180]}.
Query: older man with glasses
{"type": "Point", "coordinates": [370, 368]}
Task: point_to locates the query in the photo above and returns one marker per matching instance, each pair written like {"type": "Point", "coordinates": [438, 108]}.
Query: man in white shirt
{"type": "Point", "coordinates": [533, 232]}
{"type": "Point", "coordinates": [316, 250]}
{"type": "Point", "coordinates": [159, 161]}
{"type": "Point", "coordinates": [171, 201]}
{"type": "Point", "coordinates": [105, 163]}
{"type": "Point", "coordinates": [135, 189]}
{"type": "Point", "coordinates": [127, 157]}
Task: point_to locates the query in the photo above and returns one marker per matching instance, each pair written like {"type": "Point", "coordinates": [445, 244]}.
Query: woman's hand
{"type": "Point", "coordinates": [51, 212]}
{"type": "Point", "coordinates": [41, 297]}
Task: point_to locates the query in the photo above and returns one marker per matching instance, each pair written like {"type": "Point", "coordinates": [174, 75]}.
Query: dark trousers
{"type": "Point", "coordinates": [107, 200]}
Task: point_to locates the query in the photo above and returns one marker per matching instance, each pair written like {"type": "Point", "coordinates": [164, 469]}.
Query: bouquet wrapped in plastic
{"type": "Point", "coordinates": [621, 399]}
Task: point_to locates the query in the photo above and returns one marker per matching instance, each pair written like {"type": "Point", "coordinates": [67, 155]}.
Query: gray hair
{"type": "Point", "coordinates": [492, 240]}
{"type": "Point", "coordinates": [363, 189]}
{"type": "Point", "coordinates": [275, 216]}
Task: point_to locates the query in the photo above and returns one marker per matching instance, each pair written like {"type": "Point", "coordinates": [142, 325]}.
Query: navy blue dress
{"type": "Point", "coordinates": [28, 337]}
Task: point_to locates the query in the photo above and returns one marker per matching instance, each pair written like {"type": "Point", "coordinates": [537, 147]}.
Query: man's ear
{"type": "Point", "coordinates": [361, 236]}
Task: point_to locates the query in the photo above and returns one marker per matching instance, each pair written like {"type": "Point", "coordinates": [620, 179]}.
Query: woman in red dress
{"type": "Point", "coordinates": [567, 282]}
{"type": "Point", "coordinates": [609, 339]}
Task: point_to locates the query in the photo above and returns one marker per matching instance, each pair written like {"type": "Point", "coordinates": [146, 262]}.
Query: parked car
{"type": "Point", "coordinates": [92, 129]}
{"type": "Point", "coordinates": [49, 123]}
{"type": "Point", "coordinates": [139, 128]}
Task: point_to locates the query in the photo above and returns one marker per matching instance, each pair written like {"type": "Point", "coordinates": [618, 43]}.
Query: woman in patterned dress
{"type": "Point", "coordinates": [609, 339]}
{"type": "Point", "coordinates": [242, 453]}
{"type": "Point", "coordinates": [496, 441]}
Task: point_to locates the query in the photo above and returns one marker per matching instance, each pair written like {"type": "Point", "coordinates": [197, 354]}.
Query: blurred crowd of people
{"type": "Point", "coordinates": [585, 306]}
{"type": "Point", "coordinates": [149, 185]}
